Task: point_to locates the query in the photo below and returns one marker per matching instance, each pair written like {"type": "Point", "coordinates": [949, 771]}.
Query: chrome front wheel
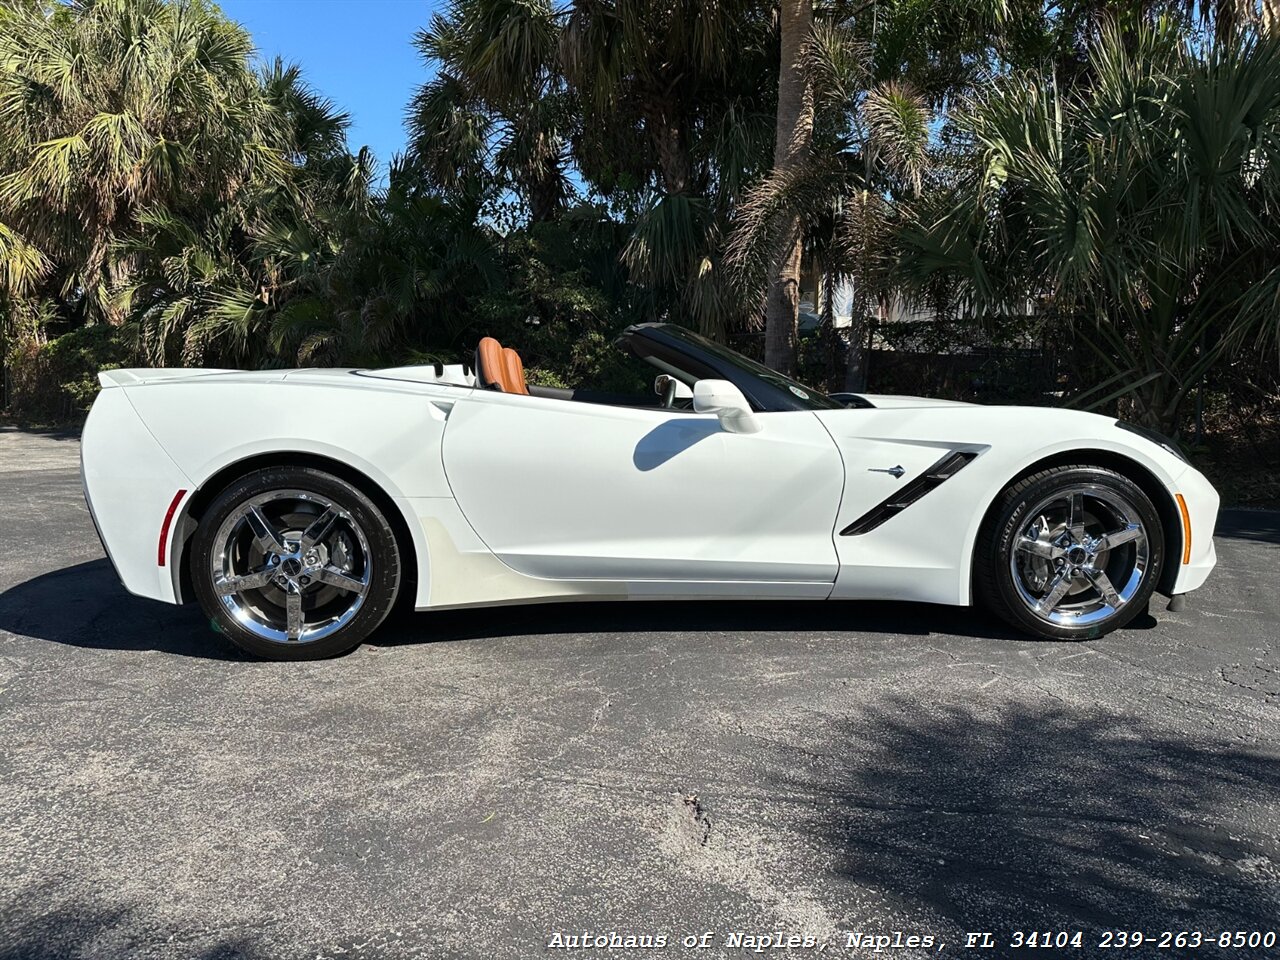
{"type": "Point", "coordinates": [1082, 557]}
{"type": "Point", "coordinates": [1071, 552]}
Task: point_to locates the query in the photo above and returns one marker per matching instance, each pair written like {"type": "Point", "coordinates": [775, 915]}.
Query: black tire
{"type": "Point", "coordinates": [360, 545]}
{"type": "Point", "coordinates": [1009, 593]}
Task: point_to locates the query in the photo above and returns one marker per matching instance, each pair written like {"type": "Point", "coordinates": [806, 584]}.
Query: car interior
{"type": "Point", "coordinates": [680, 356]}
{"type": "Point", "coordinates": [500, 368]}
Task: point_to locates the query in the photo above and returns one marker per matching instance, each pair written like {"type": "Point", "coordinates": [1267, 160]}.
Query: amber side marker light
{"type": "Point", "coordinates": [1186, 528]}
{"type": "Point", "coordinates": [173, 508]}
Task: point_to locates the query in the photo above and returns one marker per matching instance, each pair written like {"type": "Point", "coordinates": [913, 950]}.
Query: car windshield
{"type": "Point", "coordinates": [809, 397]}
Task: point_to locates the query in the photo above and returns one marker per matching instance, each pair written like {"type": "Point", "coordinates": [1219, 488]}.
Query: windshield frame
{"type": "Point", "coordinates": [700, 359]}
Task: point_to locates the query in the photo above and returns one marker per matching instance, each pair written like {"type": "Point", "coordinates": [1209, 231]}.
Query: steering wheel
{"type": "Point", "coordinates": [669, 393]}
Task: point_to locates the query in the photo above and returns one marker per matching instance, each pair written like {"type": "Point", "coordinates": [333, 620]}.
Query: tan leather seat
{"type": "Point", "coordinates": [515, 372]}
{"type": "Point", "coordinates": [491, 365]}
{"type": "Point", "coordinates": [499, 368]}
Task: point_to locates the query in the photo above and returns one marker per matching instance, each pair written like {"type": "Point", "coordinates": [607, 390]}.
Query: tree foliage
{"type": "Point", "coordinates": [574, 168]}
{"type": "Point", "coordinates": [1141, 212]}
{"type": "Point", "coordinates": [110, 109]}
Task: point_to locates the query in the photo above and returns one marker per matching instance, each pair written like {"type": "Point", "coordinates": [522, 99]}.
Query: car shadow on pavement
{"type": "Point", "coordinates": [692, 616]}
{"type": "Point", "coordinates": [85, 606]}
{"type": "Point", "coordinates": [1026, 817]}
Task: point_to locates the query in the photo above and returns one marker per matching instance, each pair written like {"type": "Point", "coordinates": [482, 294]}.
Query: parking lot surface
{"type": "Point", "coordinates": [476, 784]}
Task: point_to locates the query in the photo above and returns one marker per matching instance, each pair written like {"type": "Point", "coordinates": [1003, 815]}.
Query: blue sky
{"type": "Point", "coordinates": [358, 53]}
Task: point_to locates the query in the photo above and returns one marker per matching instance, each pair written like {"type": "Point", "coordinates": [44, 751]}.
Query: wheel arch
{"type": "Point", "coordinates": [1148, 482]}
{"type": "Point", "coordinates": [205, 494]}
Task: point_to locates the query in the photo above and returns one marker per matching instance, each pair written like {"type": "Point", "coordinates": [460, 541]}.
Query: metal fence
{"type": "Point", "coordinates": [1016, 361]}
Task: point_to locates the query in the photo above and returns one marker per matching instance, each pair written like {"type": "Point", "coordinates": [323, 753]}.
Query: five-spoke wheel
{"type": "Point", "coordinates": [293, 566]}
{"type": "Point", "coordinates": [1071, 552]}
{"type": "Point", "coordinates": [293, 563]}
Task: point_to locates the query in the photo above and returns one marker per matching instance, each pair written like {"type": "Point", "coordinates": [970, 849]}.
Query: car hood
{"type": "Point", "coordinates": [889, 400]}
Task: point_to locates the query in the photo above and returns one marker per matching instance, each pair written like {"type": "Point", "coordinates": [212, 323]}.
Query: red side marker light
{"type": "Point", "coordinates": [164, 527]}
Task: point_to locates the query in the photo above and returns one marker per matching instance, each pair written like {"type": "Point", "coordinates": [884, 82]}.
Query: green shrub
{"type": "Point", "coordinates": [58, 380]}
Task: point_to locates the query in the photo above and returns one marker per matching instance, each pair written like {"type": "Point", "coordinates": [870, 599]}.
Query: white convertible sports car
{"type": "Point", "coordinates": [297, 505]}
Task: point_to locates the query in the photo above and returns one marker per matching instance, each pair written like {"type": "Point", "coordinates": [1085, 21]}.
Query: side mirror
{"type": "Point", "coordinates": [727, 402]}
{"type": "Point", "coordinates": [678, 390]}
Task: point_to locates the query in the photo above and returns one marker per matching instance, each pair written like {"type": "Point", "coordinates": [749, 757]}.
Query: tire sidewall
{"type": "Point", "coordinates": [384, 583]}
{"type": "Point", "coordinates": [1011, 519]}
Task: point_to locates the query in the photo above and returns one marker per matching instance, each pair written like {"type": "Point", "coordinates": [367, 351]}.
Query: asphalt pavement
{"type": "Point", "coordinates": [493, 783]}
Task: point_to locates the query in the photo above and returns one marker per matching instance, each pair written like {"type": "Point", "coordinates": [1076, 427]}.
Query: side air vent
{"type": "Point", "coordinates": [935, 476]}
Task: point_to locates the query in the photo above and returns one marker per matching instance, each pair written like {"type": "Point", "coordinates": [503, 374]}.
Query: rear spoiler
{"type": "Point", "coordinates": [116, 378]}
{"type": "Point", "coordinates": [129, 378]}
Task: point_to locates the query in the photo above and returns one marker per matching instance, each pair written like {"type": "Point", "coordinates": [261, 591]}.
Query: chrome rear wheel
{"type": "Point", "coordinates": [293, 567]}
{"type": "Point", "coordinates": [293, 563]}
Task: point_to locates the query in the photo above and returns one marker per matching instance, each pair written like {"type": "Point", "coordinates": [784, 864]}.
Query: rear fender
{"type": "Point", "coordinates": [130, 485]}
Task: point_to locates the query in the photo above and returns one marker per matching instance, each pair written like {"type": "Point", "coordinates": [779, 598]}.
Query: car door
{"type": "Point", "coordinates": [570, 490]}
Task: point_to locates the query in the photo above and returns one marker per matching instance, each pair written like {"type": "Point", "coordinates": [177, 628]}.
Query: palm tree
{"type": "Point", "coordinates": [495, 111]}
{"type": "Point", "coordinates": [869, 146]}
{"type": "Point", "coordinates": [111, 108]}
{"type": "Point", "coordinates": [1140, 214]}
{"type": "Point", "coordinates": [206, 282]}
{"type": "Point", "coordinates": [791, 150]}
{"type": "Point", "coordinates": [882, 79]}
{"type": "Point", "coordinates": [658, 108]}
{"type": "Point", "coordinates": [667, 90]}
{"type": "Point", "coordinates": [148, 174]}
{"type": "Point", "coordinates": [398, 277]}
{"type": "Point", "coordinates": [674, 122]}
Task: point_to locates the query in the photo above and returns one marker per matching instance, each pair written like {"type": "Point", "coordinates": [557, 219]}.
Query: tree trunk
{"type": "Point", "coordinates": [855, 370]}
{"type": "Point", "coordinates": [791, 150]}
{"type": "Point", "coordinates": [829, 337]}
{"type": "Point", "coordinates": [545, 196]}
{"type": "Point", "coordinates": [673, 154]}
{"type": "Point", "coordinates": [542, 181]}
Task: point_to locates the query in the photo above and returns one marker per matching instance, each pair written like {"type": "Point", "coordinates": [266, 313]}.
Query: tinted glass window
{"type": "Point", "coordinates": [808, 397]}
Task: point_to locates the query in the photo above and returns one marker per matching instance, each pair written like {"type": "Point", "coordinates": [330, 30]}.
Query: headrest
{"type": "Point", "coordinates": [491, 365]}
{"type": "Point", "coordinates": [514, 368]}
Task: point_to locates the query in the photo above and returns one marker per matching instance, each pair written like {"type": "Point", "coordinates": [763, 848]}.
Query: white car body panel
{"type": "Point", "coordinates": [133, 482]}
{"type": "Point", "coordinates": [930, 558]}
{"type": "Point", "coordinates": [389, 431]}
{"type": "Point", "coordinates": [511, 498]}
{"type": "Point", "coordinates": [568, 490]}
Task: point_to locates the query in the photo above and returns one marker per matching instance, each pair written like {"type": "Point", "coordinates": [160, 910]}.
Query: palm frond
{"type": "Point", "coordinates": [666, 238]}
{"type": "Point", "coordinates": [22, 265]}
{"type": "Point", "coordinates": [898, 119]}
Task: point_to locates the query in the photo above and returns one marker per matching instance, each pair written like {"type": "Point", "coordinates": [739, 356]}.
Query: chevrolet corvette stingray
{"type": "Point", "coordinates": [297, 506]}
